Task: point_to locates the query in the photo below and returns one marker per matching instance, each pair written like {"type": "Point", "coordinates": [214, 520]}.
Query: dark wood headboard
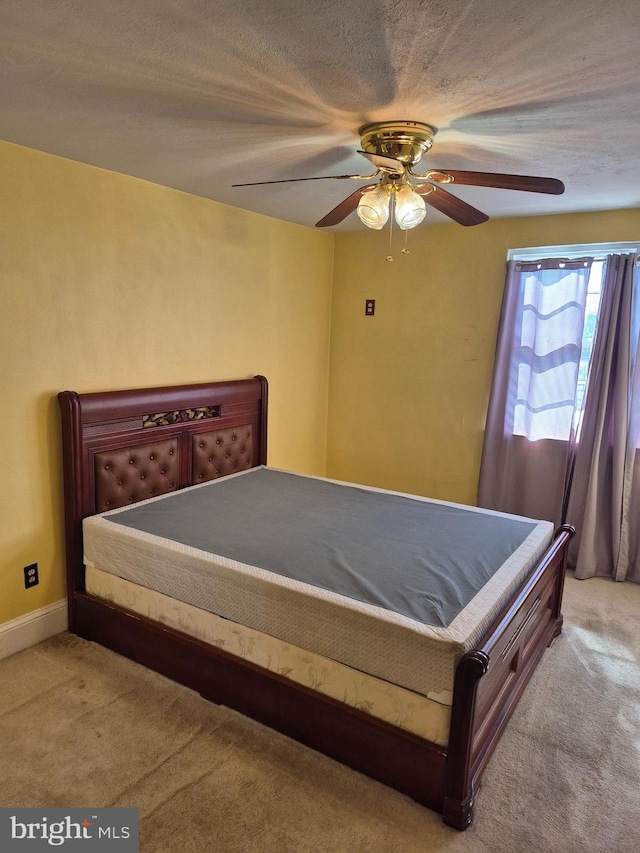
{"type": "Point", "coordinates": [120, 447]}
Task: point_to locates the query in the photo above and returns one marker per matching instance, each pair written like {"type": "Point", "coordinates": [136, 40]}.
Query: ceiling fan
{"type": "Point", "coordinates": [394, 148]}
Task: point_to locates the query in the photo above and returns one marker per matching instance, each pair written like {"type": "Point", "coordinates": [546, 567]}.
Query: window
{"type": "Point", "coordinates": [556, 322]}
{"type": "Point", "coordinates": [592, 307]}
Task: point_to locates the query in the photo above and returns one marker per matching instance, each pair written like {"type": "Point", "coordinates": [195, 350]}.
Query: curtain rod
{"type": "Point", "coordinates": [534, 261]}
{"type": "Point", "coordinates": [594, 250]}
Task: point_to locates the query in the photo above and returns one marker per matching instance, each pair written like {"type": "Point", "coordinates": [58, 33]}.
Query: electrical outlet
{"type": "Point", "coordinates": [369, 307]}
{"type": "Point", "coordinates": [31, 575]}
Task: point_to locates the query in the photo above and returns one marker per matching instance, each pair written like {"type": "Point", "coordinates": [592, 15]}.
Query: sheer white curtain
{"type": "Point", "coordinates": [546, 362]}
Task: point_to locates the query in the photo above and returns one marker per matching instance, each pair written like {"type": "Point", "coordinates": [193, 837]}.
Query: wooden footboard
{"type": "Point", "coordinates": [491, 678]}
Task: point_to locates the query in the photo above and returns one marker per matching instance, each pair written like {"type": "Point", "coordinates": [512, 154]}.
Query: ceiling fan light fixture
{"type": "Point", "coordinates": [410, 208]}
{"type": "Point", "coordinates": [394, 148]}
{"type": "Point", "coordinates": [373, 207]}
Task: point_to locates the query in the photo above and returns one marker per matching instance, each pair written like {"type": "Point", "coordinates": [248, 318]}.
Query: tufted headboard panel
{"type": "Point", "coordinates": [124, 476]}
{"type": "Point", "coordinates": [135, 473]}
{"type": "Point", "coordinates": [120, 447]}
{"type": "Point", "coordinates": [221, 452]}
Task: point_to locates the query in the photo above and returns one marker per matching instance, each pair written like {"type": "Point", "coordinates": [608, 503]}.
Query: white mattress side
{"type": "Point", "coordinates": [427, 717]}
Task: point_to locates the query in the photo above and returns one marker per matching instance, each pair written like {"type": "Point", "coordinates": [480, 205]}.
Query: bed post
{"type": "Point", "coordinates": [570, 530]}
{"type": "Point", "coordinates": [458, 801]}
{"type": "Point", "coordinates": [264, 396]}
{"type": "Point", "coordinates": [72, 462]}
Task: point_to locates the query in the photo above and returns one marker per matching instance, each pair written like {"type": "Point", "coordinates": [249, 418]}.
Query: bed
{"type": "Point", "coordinates": [414, 699]}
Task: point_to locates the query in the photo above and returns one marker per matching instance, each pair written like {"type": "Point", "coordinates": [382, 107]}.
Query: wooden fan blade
{"type": "Point", "coordinates": [293, 180]}
{"type": "Point", "coordinates": [342, 210]}
{"type": "Point", "coordinates": [526, 183]}
{"type": "Point", "coordinates": [382, 162]}
{"type": "Point", "coordinates": [451, 206]}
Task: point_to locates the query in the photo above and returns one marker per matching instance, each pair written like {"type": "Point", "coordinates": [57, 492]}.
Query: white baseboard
{"type": "Point", "coordinates": [33, 628]}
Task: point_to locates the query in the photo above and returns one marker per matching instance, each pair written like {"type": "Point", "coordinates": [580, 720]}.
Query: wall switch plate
{"type": "Point", "coordinates": [369, 307]}
{"type": "Point", "coordinates": [31, 575]}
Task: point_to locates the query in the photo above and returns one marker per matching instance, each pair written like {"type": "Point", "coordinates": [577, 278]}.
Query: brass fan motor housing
{"type": "Point", "coordinates": [406, 141]}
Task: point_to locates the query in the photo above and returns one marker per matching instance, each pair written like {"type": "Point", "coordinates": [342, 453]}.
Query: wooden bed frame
{"type": "Point", "coordinates": [125, 446]}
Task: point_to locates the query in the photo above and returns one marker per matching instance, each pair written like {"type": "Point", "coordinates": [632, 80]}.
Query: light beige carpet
{"type": "Point", "coordinates": [80, 726]}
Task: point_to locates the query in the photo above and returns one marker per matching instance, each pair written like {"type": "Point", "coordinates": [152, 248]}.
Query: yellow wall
{"type": "Point", "coordinates": [409, 386]}
{"type": "Point", "coordinates": [111, 282]}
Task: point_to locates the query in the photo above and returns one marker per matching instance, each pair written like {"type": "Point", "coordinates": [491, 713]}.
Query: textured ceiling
{"type": "Point", "coordinates": [200, 94]}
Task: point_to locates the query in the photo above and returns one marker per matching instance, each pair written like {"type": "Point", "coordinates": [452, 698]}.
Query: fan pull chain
{"type": "Point", "coordinates": [405, 251]}
{"type": "Point", "coordinates": [391, 218]}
